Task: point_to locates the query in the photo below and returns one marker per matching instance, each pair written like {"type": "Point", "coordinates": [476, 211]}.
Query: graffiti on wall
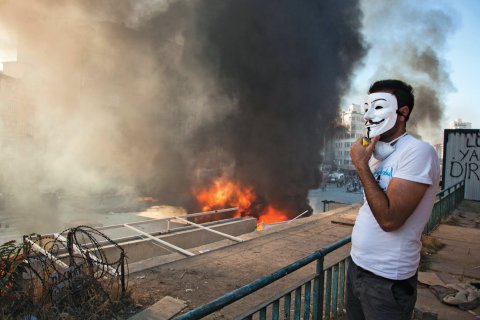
{"type": "Point", "coordinates": [465, 163]}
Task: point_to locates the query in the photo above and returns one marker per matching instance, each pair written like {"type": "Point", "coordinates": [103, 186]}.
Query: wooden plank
{"type": "Point", "coordinates": [430, 278]}
{"type": "Point", "coordinates": [346, 219]}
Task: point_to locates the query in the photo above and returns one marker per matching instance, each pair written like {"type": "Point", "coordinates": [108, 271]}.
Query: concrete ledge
{"type": "Point", "coordinates": [166, 308]}
{"type": "Point", "coordinates": [139, 250]}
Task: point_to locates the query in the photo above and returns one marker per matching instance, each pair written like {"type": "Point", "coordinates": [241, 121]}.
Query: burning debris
{"type": "Point", "coordinates": [68, 273]}
{"type": "Point", "coordinates": [223, 193]}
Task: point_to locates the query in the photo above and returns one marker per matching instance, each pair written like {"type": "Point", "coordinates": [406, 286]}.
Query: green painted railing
{"type": "Point", "coordinates": [321, 295]}
{"type": "Point", "coordinates": [448, 199]}
{"type": "Point", "coordinates": [327, 285]}
{"type": "Point", "coordinates": [307, 296]}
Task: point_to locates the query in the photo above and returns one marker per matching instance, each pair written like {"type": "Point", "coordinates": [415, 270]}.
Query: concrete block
{"type": "Point", "coordinates": [422, 314]}
{"type": "Point", "coordinates": [164, 309]}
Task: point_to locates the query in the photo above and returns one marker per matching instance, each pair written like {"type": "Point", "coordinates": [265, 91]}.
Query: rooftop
{"type": "Point", "coordinates": [198, 280]}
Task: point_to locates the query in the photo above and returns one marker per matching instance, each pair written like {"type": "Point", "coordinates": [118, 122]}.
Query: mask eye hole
{"type": "Point", "coordinates": [378, 107]}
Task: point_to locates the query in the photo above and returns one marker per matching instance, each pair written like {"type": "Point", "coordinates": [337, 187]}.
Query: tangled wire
{"type": "Point", "coordinates": [77, 274]}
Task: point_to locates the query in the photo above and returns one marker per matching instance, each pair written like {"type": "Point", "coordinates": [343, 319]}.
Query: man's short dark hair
{"type": "Point", "coordinates": [401, 90]}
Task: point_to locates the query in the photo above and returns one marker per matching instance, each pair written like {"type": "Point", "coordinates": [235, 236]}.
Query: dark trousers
{"type": "Point", "coordinates": [371, 297]}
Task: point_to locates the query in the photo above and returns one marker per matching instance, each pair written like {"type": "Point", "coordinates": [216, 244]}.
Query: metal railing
{"type": "Point", "coordinates": [321, 295]}
{"type": "Point", "coordinates": [307, 303]}
{"type": "Point", "coordinates": [328, 290]}
{"type": "Point", "coordinates": [448, 199]}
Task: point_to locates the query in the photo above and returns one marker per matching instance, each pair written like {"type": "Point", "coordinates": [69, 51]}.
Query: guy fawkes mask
{"type": "Point", "coordinates": [380, 113]}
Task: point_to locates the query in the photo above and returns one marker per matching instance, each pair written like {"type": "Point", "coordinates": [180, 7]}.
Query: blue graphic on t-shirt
{"type": "Point", "coordinates": [383, 172]}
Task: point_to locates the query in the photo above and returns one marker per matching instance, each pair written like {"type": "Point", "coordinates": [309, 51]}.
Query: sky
{"type": "Point", "coordinates": [463, 55]}
{"type": "Point", "coordinates": [457, 47]}
{"type": "Point", "coordinates": [460, 53]}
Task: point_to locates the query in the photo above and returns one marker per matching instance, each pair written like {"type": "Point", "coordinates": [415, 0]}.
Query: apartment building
{"type": "Point", "coordinates": [460, 124]}
{"type": "Point", "coordinates": [354, 127]}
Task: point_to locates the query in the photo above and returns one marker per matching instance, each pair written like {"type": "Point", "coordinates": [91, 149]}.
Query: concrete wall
{"type": "Point", "coordinates": [138, 250]}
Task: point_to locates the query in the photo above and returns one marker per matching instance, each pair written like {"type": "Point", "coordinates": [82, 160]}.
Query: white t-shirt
{"type": "Point", "coordinates": [396, 254]}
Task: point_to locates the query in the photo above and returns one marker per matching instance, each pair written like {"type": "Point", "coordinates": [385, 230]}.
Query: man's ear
{"type": "Point", "coordinates": [404, 111]}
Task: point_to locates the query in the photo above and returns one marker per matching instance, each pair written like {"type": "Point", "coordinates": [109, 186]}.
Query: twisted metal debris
{"type": "Point", "coordinates": [79, 273]}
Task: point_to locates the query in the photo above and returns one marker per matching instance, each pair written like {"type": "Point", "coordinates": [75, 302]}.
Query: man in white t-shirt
{"type": "Point", "coordinates": [400, 175]}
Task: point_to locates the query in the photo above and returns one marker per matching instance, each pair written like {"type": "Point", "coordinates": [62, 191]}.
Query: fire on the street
{"type": "Point", "coordinates": [224, 193]}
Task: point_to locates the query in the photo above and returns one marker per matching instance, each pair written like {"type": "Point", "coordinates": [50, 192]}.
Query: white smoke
{"type": "Point", "coordinates": [408, 40]}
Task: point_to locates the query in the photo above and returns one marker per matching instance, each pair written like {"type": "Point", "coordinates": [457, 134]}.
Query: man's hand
{"type": "Point", "coordinates": [360, 154]}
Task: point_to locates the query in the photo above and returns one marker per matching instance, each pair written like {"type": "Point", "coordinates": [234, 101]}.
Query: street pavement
{"type": "Point", "coordinates": [333, 193]}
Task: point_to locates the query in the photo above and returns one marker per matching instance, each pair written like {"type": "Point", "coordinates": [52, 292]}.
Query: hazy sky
{"type": "Point", "coordinates": [463, 55]}
{"type": "Point", "coordinates": [460, 55]}
{"type": "Point", "coordinates": [458, 47]}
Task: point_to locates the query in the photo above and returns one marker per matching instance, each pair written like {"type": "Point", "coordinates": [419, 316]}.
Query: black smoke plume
{"type": "Point", "coordinates": [156, 98]}
{"type": "Point", "coordinates": [286, 64]}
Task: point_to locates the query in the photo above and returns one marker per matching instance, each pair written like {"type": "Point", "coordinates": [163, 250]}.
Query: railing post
{"type": "Point", "coordinates": [275, 310]}
{"type": "Point", "coordinates": [298, 303]}
{"type": "Point", "coordinates": [286, 306]}
{"type": "Point", "coordinates": [306, 301]}
{"type": "Point", "coordinates": [335, 291]}
{"type": "Point", "coordinates": [263, 314]}
{"type": "Point", "coordinates": [328, 294]}
{"type": "Point", "coordinates": [318, 285]}
{"type": "Point", "coordinates": [342, 282]}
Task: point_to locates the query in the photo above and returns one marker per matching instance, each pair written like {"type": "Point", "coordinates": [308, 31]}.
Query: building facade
{"type": "Point", "coordinates": [460, 124]}
{"type": "Point", "coordinates": [354, 127]}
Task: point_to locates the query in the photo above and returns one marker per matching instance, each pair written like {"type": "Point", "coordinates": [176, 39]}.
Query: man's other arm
{"type": "Point", "coordinates": [390, 209]}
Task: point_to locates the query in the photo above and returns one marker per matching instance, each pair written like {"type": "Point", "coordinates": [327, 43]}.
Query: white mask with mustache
{"type": "Point", "coordinates": [380, 113]}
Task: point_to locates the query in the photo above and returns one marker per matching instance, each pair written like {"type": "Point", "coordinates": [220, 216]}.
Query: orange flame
{"type": "Point", "coordinates": [224, 193]}
{"type": "Point", "coordinates": [272, 215]}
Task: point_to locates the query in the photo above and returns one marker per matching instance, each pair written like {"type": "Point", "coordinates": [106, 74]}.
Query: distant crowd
{"type": "Point", "coordinates": [350, 181]}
